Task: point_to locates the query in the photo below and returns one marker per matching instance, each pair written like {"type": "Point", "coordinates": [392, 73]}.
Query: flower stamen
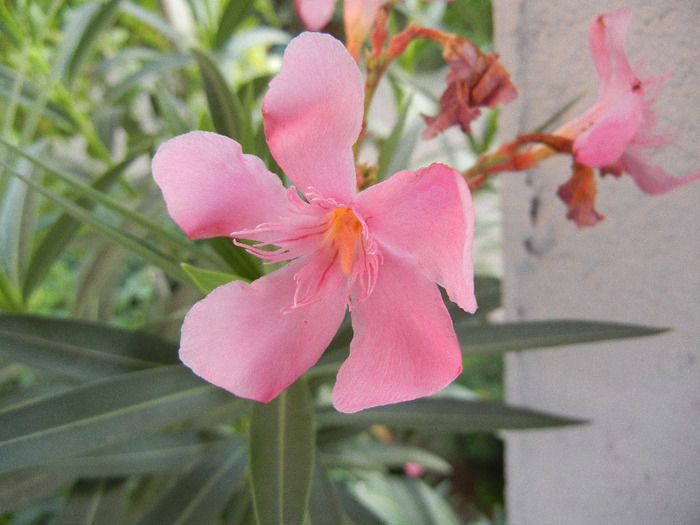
{"type": "Point", "coordinates": [344, 235]}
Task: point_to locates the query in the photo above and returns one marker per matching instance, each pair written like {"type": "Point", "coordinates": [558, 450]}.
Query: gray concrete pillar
{"type": "Point", "coordinates": [638, 460]}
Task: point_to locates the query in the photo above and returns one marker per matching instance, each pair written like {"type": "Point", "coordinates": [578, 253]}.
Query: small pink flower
{"type": "Point", "coordinates": [414, 470]}
{"type": "Point", "coordinates": [358, 17]}
{"type": "Point", "coordinates": [379, 252]}
{"type": "Point", "coordinates": [616, 134]}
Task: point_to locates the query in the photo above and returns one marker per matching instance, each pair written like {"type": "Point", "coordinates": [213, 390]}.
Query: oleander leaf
{"type": "Point", "coordinates": [282, 451]}
{"type": "Point", "coordinates": [101, 412]}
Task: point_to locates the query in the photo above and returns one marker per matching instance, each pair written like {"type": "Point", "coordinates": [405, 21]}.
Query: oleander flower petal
{"type": "Point", "coordinates": [242, 337]}
{"type": "Point", "coordinates": [428, 216]}
{"type": "Point", "coordinates": [605, 141]}
{"type": "Point", "coordinates": [404, 345]}
{"type": "Point", "coordinates": [313, 116]}
{"type": "Point", "coordinates": [212, 188]}
{"type": "Point", "coordinates": [652, 179]}
{"type": "Point", "coordinates": [314, 14]}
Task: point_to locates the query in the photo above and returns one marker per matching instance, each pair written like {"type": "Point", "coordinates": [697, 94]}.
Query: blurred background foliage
{"type": "Point", "coordinates": [100, 423]}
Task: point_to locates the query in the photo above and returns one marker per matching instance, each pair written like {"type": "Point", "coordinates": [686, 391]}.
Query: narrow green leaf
{"type": "Point", "coordinates": [10, 295]}
{"type": "Point", "coordinates": [225, 109]}
{"type": "Point", "coordinates": [85, 26]}
{"type": "Point", "coordinates": [29, 95]}
{"type": "Point", "coordinates": [126, 240]}
{"type": "Point", "coordinates": [199, 496]}
{"type": "Point", "coordinates": [559, 113]}
{"type": "Point", "coordinates": [20, 488]}
{"type": "Point", "coordinates": [239, 510]}
{"type": "Point", "coordinates": [101, 412]}
{"type": "Point", "coordinates": [358, 513]}
{"type": "Point", "coordinates": [17, 223]}
{"type": "Point", "coordinates": [282, 450]}
{"type": "Point", "coordinates": [240, 261]}
{"type": "Point", "coordinates": [208, 280]}
{"type": "Point", "coordinates": [542, 334]}
{"type": "Point", "coordinates": [488, 292]}
{"type": "Point", "coordinates": [80, 349]}
{"type": "Point", "coordinates": [145, 455]}
{"type": "Point", "coordinates": [442, 413]}
{"type": "Point", "coordinates": [404, 500]}
{"type": "Point", "coordinates": [9, 27]}
{"type": "Point", "coordinates": [62, 232]}
{"type": "Point", "coordinates": [324, 506]}
{"type": "Point", "coordinates": [367, 454]}
{"type": "Point", "coordinates": [95, 195]}
{"type": "Point", "coordinates": [173, 112]}
{"type": "Point", "coordinates": [94, 502]}
{"type": "Point", "coordinates": [152, 20]}
{"type": "Point", "coordinates": [233, 14]}
{"type": "Point", "coordinates": [391, 143]}
{"type": "Point", "coordinates": [150, 69]}
{"type": "Point", "coordinates": [490, 131]}
{"type": "Point", "coordinates": [98, 281]}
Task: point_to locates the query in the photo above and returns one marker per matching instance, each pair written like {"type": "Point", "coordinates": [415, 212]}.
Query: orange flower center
{"type": "Point", "coordinates": [344, 236]}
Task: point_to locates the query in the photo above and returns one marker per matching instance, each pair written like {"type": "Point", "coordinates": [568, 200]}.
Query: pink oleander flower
{"type": "Point", "coordinates": [358, 17]}
{"type": "Point", "coordinates": [379, 252]}
{"type": "Point", "coordinates": [616, 134]}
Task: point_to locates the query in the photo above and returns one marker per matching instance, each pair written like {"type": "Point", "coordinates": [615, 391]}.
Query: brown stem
{"type": "Point", "coordinates": [508, 157]}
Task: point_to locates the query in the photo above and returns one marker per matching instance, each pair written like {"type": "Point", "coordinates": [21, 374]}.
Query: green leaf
{"type": "Point", "coordinates": [80, 349]}
{"type": "Point", "coordinates": [129, 242]}
{"type": "Point", "coordinates": [542, 334]}
{"type": "Point", "coordinates": [391, 143]}
{"type": "Point", "coordinates": [404, 500]}
{"type": "Point", "coordinates": [443, 413]}
{"type": "Point", "coordinates": [356, 511]}
{"type": "Point", "coordinates": [86, 24]}
{"type": "Point", "coordinates": [17, 223]}
{"type": "Point", "coordinates": [10, 295]}
{"type": "Point", "coordinates": [95, 502]}
{"type": "Point", "coordinates": [199, 496]}
{"type": "Point", "coordinates": [234, 13]}
{"type": "Point", "coordinates": [30, 96]}
{"type": "Point", "coordinates": [542, 128]}
{"type": "Point", "coordinates": [208, 280]}
{"type": "Point", "coordinates": [368, 454]}
{"type": "Point", "coordinates": [101, 412]}
{"type": "Point", "coordinates": [225, 109]}
{"type": "Point", "coordinates": [97, 196]}
{"type": "Point", "coordinates": [62, 232]}
{"type": "Point", "coordinates": [282, 450]}
{"type": "Point", "coordinates": [240, 261]}
{"type": "Point", "coordinates": [9, 27]}
{"type": "Point", "coordinates": [488, 292]}
{"type": "Point", "coordinates": [152, 20]}
{"type": "Point", "coordinates": [172, 111]}
{"type": "Point", "coordinates": [488, 135]}
{"type": "Point", "coordinates": [324, 505]}
{"type": "Point", "coordinates": [150, 69]}
{"type": "Point", "coordinates": [145, 455]}
{"type": "Point", "coordinates": [20, 488]}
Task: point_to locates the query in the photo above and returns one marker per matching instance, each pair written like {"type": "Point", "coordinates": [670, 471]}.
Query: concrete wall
{"type": "Point", "coordinates": [638, 461]}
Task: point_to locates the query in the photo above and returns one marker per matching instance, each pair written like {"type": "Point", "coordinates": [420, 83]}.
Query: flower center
{"type": "Point", "coordinates": [344, 236]}
{"type": "Point", "coordinates": [334, 244]}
